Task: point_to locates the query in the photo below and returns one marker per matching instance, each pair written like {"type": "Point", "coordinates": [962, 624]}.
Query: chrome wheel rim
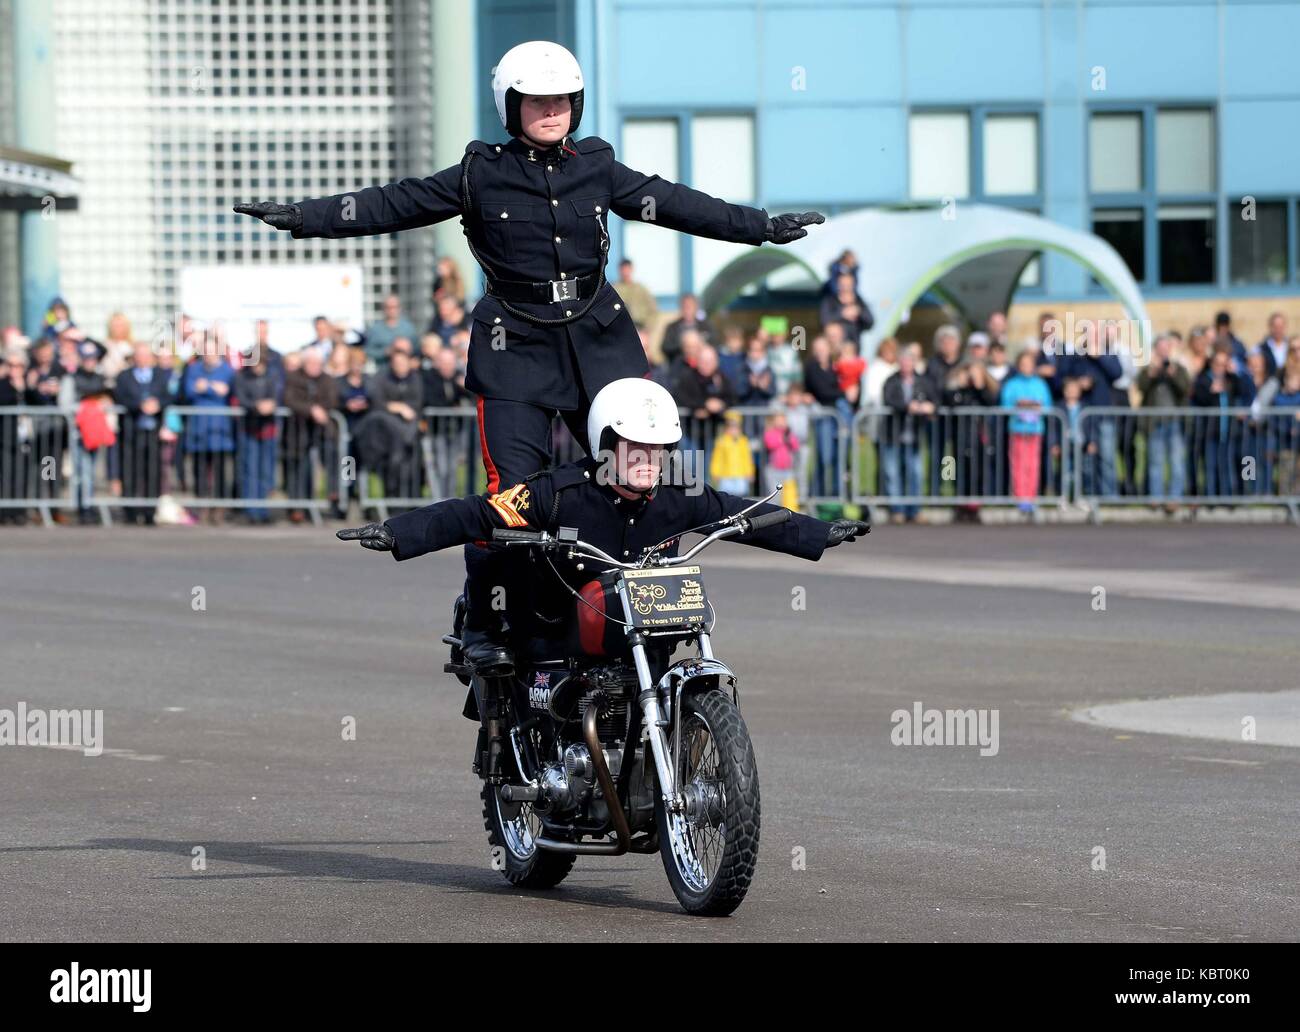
{"type": "Point", "coordinates": [697, 832]}
{"type": "Point", "coordinates": [521, 831]}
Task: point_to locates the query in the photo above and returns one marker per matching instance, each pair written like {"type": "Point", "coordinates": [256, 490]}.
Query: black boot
{"type": "Point", "coordinates": [485, 652]}
{"type": "Point", "coordinates": [483, 640]}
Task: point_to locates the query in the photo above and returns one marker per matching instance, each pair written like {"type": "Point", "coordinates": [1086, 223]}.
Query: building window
{"type": "Point", "coordinates": [1151, 176]}
{"type": "Point", "coordinates": [650, 145]}
{"type": "Point", "coordinates": [722, 156]}
{"type": "Point", "coordinates": [1123, 229]}
{"type": "Point", "coordinates": [1257, 248]}
{"type": "Point", "coordinates": [722, 164]}
{"type": "Point", "coordinates": [1186, 241]}
{"type": "Point", "coordinates": [1115, 153]}
{"type": "Point", "coordinates": [1010, 155]}
{"type": "Point", "coordinates": [1184, 152]}
{"type": "Point", "coordinates": [987, 154]}
{"type": "Point", "coordinates": [938, 154]}
{"type": "Point", "coordinates": [713, 152]}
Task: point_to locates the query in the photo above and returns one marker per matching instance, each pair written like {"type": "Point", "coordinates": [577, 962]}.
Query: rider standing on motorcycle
{"type": "Point", "coordinates": [616, 500]}
{"type": "Point", "coordinates": [549, 332]}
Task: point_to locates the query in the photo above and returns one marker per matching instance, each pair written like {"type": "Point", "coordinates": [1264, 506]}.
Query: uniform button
{"type": "Point", "coordinates": [587, 473]}
{"type": "Point", "coordinates": [581, 566]}
{"type": "Point", "coordinates": [554, 203]}
{"type": "Point", "coordinates": [548, 168]}
{"type": "Point", "coordinates": [598, 209]}
{"type": "Point", "coordinates": [617, 307]}
{"type": "Point", "coordinates": [625, 552]}
{"type": "Point", "coordinates": [498, 150]}
{"type": "Point", "coordinates": [505, 214]}
{"type": "Point", "coordinates": [557, 240]}
{"type": "Point", "coordinates": [497, 319]}
{"type": "Point", "coordinates": [630, 522]}
{"type": "Point", "coordinates": [567, 312]}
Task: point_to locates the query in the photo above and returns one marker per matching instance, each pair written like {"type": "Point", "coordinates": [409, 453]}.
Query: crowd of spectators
{"type": "Point", "coordinates": [761, 407]}
{"type": "Point", "coordinates": [158, 420]}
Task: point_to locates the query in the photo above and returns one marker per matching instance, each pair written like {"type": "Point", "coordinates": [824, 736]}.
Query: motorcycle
{"type": "Point", "coordinates": [609, 746]}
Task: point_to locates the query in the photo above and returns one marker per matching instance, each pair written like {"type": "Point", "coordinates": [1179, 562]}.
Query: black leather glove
{"type": "Point", "coordinates": [376, 536]}
{"type": "Point", "coordinates": [785, 229]}
{"type": "Point", "coordinates": [842, 530]}
{"type": "Point", "coordinates": [278, 216]}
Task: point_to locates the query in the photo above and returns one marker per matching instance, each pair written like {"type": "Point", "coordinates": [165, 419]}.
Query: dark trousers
{"type": "Point", "coordinates": [516, 441]}
{"type": "Point", "coordinates": [141, 471]}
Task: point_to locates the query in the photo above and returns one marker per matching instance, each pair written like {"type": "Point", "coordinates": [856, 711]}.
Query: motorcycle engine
{"type": "Point", "coordinates": [566, 785]}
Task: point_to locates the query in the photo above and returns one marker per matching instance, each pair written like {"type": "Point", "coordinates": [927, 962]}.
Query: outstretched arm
{"type": "Point", "coordinates": [799, 535]}
{"type": "Point", "coordinates": [406, 204]}
{"type": "Point", "coordinates": [455, 521]}
{"type": "Point", "coordinates": [638, 197]}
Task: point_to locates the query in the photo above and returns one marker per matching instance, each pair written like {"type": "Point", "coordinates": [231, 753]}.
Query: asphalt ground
{"type": "Point", "coordinates": [222, 731]}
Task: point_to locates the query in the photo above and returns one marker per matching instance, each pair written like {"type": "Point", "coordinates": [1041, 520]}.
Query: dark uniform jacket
{"type": "Point", "coordinates": [569, 496]}
{"type": "Point", "coordinates": [537, 216]}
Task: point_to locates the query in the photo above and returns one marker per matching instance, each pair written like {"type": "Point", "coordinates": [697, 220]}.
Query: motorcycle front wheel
{"type": "Point", "coordinates": [710, 846]}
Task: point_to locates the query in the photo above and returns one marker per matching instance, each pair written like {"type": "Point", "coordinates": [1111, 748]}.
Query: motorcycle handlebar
{"type": "Point", "coordinates": [524, 536]}
{"type": "Point", "coordinates": [768, 519]}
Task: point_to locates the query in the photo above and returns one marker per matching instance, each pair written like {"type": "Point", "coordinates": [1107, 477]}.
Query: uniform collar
{"type": "Point", "coordinates": [632, 505]}
{"type": "Point", "coordinates": [541, 155]}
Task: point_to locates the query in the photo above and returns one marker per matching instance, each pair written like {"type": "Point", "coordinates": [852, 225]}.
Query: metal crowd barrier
{"type": "Point", "coordinates": [964, 456]}
{"type": "Point", "coordinates": [223, 457]}
{"type": "Point", "coordinates": [440, 460]}
{"type": "Point", "coordinates": [444, 460]}
{"type": "Point", "coordinates": [226, 458]}
{"type": "Point", "coordinates": [36, 450]}
{"type": "Point", "coordinates": [1194, 456]}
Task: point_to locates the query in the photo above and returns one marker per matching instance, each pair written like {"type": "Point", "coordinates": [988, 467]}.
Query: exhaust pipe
{"type": "Point", "coordinates": [607, 789]}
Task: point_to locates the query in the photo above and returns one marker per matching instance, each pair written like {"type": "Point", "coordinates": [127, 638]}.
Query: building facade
{"type": "Point", "coordinates": [172, 111]}
{"type": "Point", "coordinates": [1168, 128]}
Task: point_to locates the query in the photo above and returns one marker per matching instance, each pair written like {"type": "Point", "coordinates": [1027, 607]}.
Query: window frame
{"type": "Point", "coordinates": [685, 155]}
{"type": "Point", "coordinates": [1024, 203]}
{"type": "Point", "coordinates": [1291, 206]}
{"type": "Point", "coordinates": [1149, 201]}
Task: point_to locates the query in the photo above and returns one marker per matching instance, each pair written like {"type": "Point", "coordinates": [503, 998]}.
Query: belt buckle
{"type": "Point", "coordinates": [564, 290]}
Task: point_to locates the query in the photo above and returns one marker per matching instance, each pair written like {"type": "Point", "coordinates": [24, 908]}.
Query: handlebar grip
{"type": "Point", "coordinates": [768, 519]}
{"type": "Point", "coordinates": [526, 536]}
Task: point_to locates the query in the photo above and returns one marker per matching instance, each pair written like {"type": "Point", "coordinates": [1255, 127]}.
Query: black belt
{"type": "Point", "coordinates": [547, 292]}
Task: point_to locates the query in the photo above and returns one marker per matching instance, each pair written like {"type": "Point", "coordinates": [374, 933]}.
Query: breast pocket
{"type": "Point", "coordinates": [506, 225]}
{"type": "Point", "coordinates": [593, 214]}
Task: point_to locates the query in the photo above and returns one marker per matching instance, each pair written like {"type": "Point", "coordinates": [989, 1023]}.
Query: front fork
{"type": "Point", "coordinates": [656, 722]}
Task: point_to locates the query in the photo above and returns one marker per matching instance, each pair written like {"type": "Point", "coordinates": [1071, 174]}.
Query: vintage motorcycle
{"type": "Point", "coordinates": [608, 746]}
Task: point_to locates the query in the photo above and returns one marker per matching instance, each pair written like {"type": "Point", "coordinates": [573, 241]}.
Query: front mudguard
{"type": "Point", "coordinates": [695, 675]}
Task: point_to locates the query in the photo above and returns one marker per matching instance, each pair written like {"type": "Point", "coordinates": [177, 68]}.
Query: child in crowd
{"type": "Point", "coordinates": [782, 448]}
{"type": "Point", "coordinates": [1026, 392]}
{"type": "Point", "coordinates": [849, 368]}
{"type": "Point", "coordinates": [732, 465]}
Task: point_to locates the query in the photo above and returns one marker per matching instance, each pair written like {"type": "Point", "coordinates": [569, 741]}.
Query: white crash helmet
{"type": "Point", "coordinates": [635, 409]}
{"type": "Point", "coordinates": [538, 69]}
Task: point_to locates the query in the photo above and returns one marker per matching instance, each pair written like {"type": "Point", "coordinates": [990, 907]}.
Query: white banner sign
{"type": "Point", "coordinates": [288, 297]}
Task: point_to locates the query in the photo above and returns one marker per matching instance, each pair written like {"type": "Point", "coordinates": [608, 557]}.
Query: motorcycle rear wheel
{"type": "Point", "coordinates": [710, 850]}
{"type": "Point", "coordinates": [514, 852]}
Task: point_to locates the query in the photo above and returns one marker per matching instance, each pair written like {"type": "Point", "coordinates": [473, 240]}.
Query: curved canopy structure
{"type": "Point", "coordinates": [973, 260]}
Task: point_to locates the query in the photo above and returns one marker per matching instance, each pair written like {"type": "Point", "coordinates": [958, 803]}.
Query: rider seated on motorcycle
{"type": "Point", "coordinates": [616, 501]}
